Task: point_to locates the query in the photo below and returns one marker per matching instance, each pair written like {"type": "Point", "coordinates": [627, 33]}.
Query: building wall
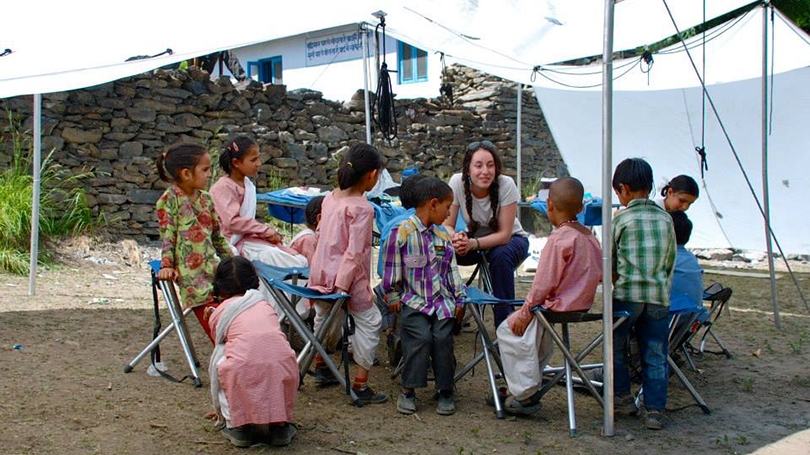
{"type": "Point", "coordinates": [118, 129]}
{"type": "Point", "coordinates": [341, 79]}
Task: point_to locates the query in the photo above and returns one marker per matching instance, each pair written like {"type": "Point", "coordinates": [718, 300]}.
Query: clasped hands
{"type": "Point", "coordinates": [462, 243]}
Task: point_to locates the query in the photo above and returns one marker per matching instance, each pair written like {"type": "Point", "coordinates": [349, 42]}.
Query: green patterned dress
{"type": "Point", "coordinates": [192, 242]}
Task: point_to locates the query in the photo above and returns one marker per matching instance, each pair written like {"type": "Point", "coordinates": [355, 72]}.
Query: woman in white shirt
{"type": "Point", "coordinates": [487, 201]}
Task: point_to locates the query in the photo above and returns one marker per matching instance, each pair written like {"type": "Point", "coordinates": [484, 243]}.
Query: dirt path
{"type": "Point", "coordinates": [64, 391]}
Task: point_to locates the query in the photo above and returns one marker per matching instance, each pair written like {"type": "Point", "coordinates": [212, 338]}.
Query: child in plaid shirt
{"type": "Point", "coordinates": [643, 261]}
{"type": "Point", "coordinates": [420, 279]}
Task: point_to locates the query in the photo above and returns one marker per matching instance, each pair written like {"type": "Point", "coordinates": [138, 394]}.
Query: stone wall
{"type": "Point", "coordinates": [117, 129]}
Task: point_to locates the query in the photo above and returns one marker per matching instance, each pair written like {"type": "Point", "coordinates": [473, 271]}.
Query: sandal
{"type": "Point", "coordinates": [503, 394]}
{"type": "Point", "coordinates": [515, 407]}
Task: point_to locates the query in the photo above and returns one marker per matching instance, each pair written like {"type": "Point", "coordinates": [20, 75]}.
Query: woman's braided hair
{"type": "Point", "coordinates": [494, 193]}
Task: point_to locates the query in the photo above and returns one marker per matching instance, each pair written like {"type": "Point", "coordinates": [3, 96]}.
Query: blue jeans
{"type": "Point", "coordinates": [651, 325]}
{"type": "Point", "coordinates": [503, 260]}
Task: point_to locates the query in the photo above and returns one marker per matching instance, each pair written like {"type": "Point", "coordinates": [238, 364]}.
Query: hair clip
{"type": "Point", "coordinates": [349, 163]}
{"type": "Point", "coordinates": [235, 147]}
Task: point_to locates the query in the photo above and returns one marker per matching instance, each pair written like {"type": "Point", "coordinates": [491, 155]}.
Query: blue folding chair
{"type": "Point", "coordinates": [178, 315]}
{"type": "Point", "coordinates": [286, 294]}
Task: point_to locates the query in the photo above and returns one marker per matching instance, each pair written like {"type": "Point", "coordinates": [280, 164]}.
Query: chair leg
{"type": "Point", "coordinates": [166, 331]}
{"type": "Point", "coordinates": [569, 385]}
{"type": "Point", "coordinates": [692, 391]}
{"type": "Point", "coordinates": [185, 339]}
{"type": "Point", "coordinates": [489, 355]}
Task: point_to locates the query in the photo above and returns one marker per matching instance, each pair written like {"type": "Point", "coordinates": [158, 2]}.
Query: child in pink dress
{"type": "Point", "coordinates": [235, 201]}
{"type": "Point", "coordinates": [254, 374]}
{"type": "Point", "coordinates": [342, 263]}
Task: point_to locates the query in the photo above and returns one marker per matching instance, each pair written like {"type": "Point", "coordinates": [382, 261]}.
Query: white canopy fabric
{"type": "Point", "coordinates": [661, 122]}
{"type": "Point", "coordinates": [58, 46]}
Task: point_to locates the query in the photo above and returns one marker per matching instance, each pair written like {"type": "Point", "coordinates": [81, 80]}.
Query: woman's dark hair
{"type": "Point", "coordinates": [429, 188]}
{"type": "Point", "coordinates": [407, 188]}
{"type": "Point", "coordinates": [235, 149]}
{"type": "Point", "coordinates": [682, 225]}
{"type": "Point", "coordinates": [358, 161]}
{"type": "Point", "coordinates": [682, 184]}
{"type": "Point", "coordinates": [636, 173]}
{"type": "Point", "coordinates": [234, 276]}
{"type": "Point", "coordinates": [494, 187]}
{"type": "Point", "coordinates": [313, 210]}
{"type": "Point", "coordinates": [178, 157]}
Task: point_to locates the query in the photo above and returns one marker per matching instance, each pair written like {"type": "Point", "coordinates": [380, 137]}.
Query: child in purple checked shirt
{"type": "Point", "coordinates": [421, 280]}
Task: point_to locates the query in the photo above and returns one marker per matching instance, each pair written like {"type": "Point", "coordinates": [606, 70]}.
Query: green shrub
{"type": "Point", "coordinates": [63, 210]}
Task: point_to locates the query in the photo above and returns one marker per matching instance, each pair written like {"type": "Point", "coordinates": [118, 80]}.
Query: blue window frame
{"type": "Point", "coordinates": [268, 70]}
{"type": "Point", "coordinates": [412, 64]}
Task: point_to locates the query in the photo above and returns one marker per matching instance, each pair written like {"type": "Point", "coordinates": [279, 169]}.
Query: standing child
{"type": "Point", "coordinates": [254, 374]}
{"type": "Point", "coordinates": [234, 197]}
{"type": "Point", "coordinates": [643, 259]}
{"type": "Point", "coordinates": [188, 227]}
{"type": "Point", "coordinates": [571, 265]}
{"type": "Point", "coordinates": [342, 262]}
{"type": "Point", "coordinates": [305, 241]}
{"type": "Point", "coordinates": [420, 279]}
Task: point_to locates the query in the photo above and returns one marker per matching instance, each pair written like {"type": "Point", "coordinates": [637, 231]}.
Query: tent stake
{"type": "Point", "coordinates": [607, 221]}
{"type": "Point", "coordinates": [32, 273]}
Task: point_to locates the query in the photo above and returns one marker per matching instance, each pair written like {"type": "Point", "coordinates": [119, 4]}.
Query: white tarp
{"type": "Point", "coordinates": [664, 127]}
{"type": "Point", "coordinates": [60, 46]}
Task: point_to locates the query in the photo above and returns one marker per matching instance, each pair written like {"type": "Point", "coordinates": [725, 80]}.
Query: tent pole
{"type": "Point", "coordinates": [519, 134]}
{"type": "Point", "coordinates": [765, 196]}
{"type": "Point", "coordinates": [607, 222]}
{"type": "Point", "coordinates": [32, 273]}
{"type": "Point", "coordinates": [367, 103]}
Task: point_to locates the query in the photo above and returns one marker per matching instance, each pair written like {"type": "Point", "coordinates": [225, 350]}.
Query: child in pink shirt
{"type": "Point", "coordinates": [342, 263]}
{"type": "Point", "coordinates": [568, 273]}
{"type": "Point", "coordinates": [305, 241]}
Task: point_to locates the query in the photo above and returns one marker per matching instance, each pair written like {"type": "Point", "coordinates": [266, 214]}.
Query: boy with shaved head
{"type": "Point", "coordinates": [568, 273]}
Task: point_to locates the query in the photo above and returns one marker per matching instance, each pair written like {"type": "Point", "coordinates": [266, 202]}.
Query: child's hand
{"type": "Point", "coordinates": [394, 307]}
{"type": "Point", "coordinates": [273, 237]}
{"type": "Point", "coordinates": [459, 313]}
{"type": "Point", "coordinates": [167, 274]}
{"type": "Point", "coordinates": [208, 312]}
{"type": "Point", "coordinates": [518, 323]}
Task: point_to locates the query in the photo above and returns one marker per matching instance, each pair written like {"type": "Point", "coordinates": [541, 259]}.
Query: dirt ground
{"type": "Point", "coordinates": [63, 389]}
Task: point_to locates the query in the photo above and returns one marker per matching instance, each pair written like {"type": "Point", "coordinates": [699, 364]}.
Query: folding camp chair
{"type": "Point", "coordinates": [718, 296]}
{"type": "Point", "coordinates": [286, 294]}
{"type": "Point", "coordinates": [548, 319]}
{"type": "Point", "coordinates": [178, 315]}
{"type": "Point", "coordinates": [677, 332]}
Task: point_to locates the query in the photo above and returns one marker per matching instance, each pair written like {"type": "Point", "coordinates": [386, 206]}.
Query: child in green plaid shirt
{"type": "Point", "coordinates": [643, 260]}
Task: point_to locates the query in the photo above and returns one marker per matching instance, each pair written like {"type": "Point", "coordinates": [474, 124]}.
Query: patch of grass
{"type": "Point", "coordinates": [796, 346]}
{"type": "Point", "coordinates": [62, 209]}
{"type": "Point", "coordinates": [747, 384]}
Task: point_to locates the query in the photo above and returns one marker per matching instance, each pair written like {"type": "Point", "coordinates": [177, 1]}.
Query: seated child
{"type": "Point", "coordinates": [569, 270]}
{"type": "Point", "coordinates": [687, 277]}
{"type": "Point", "coordinates": [421, 280]}
{"type": "Point", "coordinates": [254, 374]}
{"type": "Point", "coordinates": [305, 241]}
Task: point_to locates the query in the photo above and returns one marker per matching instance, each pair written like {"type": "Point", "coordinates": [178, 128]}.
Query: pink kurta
{"type": "Point", "coordinates": [305, 244]}
{"type": "Point", "coordinates": [259, 374]}
{"type": "Point", "coordinates": [342, 258]}
{"type": "Point", "coordinates": [569, 270]}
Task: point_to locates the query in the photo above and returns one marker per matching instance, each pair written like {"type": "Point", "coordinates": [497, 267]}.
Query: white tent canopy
{"type": "Point", "coordinates": [662, 122]}
{"type": "Point", "coordinates": [58, 46]}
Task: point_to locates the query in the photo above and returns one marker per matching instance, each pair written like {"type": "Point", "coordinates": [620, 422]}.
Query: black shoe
{"type": "Point", "coordinates": [369, 396]}
{"type": "Point", "coordinates": [447, 403]}
{"type": "Point", "coordinates": [283, 435]}
{"type": "Point", "coordinates": [324, 377]}
{"type": "Point", "coordinates": [406, 403]}
{"type": "Point", "coordinates": [238, 436]}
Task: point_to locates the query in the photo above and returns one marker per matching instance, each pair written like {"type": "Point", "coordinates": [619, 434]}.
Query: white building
{"type": "Point", "coordinates": [331, 61]}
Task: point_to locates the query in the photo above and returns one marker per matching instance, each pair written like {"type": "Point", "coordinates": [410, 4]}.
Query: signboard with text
{"type": "Point", "coordinates": [334, 48]}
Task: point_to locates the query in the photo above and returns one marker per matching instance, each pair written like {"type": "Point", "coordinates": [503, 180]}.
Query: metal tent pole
{"type": "Point", "coordinates": [607, 237]}
{"type": "Point", "coordinates": [365, 83]}
{"type": "Point", "coordinates": [37, 152]}
{"type": "Point", "coordinates": [765, 197]}
{"type": "Point", "coordinates": [519, 134]}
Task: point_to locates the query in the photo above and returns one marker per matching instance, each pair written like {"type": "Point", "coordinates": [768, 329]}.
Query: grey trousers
{"type": "Point", "coordinates": [424, 338]}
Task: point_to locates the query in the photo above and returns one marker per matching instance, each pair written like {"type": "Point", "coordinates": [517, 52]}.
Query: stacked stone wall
{"type": "Point", "coordinates": [117, 129]}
